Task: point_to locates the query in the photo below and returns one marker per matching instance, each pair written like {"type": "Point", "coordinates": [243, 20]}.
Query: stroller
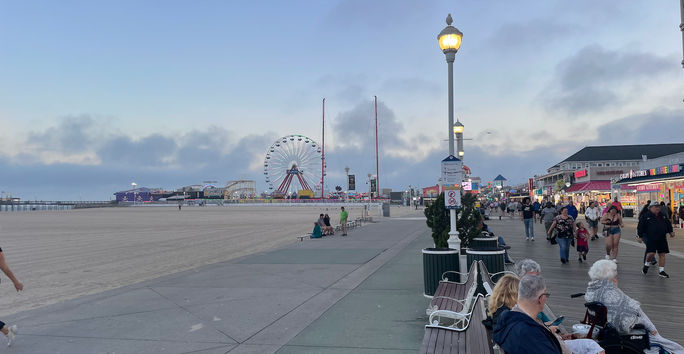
{"type": "Point", "coordinates": [607, 336]}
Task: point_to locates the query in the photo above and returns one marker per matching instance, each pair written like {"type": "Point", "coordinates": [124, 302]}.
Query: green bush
{"type": "Point", "coordinates": [468, 218]}
{"type": "Point", "coordinates": [438, 220]}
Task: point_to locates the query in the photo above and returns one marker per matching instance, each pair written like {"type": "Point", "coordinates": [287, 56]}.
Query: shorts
{"type": "Point", "coordinates": [613, 230]}
{"type": "Point", "coordinates": [592, 223]}
{"type": "Point", "coordinates": [583, 249]}
{"type": "Point", "coordinates": [657, 244]}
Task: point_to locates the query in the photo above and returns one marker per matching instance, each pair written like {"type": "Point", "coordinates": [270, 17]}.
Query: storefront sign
{"type": "Point", "coordinates": [663, 170]}
{"type": "Point", "coordinates": [581, 173]}
{"type": "Point", "coordinates": [628, 199]}
{"type": "Point", "coordinates": [467, 186]}
{"type": "Point", "coordinates": [648, 188]}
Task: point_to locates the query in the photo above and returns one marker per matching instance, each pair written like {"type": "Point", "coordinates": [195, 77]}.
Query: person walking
{"type": "Point", "coordinates": [582, 244]}
{"type": "Point", "coordinates": [537, 209]}
{"type": "Point", "coordinates": [593, 215]}
{"type": "Point", "coordinates": [547, 215]}
{"type": "Point", "coordinates": [613, 222]}
{"type": "Point", "coordinates": [565, 225]}
{"type": "Point", "coordinates": [654, 227]}
{"type": "Point", "coordinates": [528, 217]}
{"type": "Point", "coordinates": [9, 331]}
{"type": "Point", "coordinates": [343, 221]}
{"type": "Point", "coordinates": [572, 209]}
{"type": "Point", "coordinates": [644, 238]}
{"type": "Point", "coordinates": [681, 216]}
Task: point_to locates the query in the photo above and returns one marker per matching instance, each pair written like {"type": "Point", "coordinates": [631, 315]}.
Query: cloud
{"type": "Point", "coordinates": [533, 34]}
{"type": "Point", "coordinates": [596, 78]}
{"type": "Point", "coordinates": [659, 126]}
{"type": "Point", "coordinates": [73, 134]}
{"type": "Point", "coordinates": [355, 128]}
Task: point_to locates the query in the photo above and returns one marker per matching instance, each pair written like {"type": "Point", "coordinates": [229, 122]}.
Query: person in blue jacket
{"type": "Point", "coordinates": [572, 209]}
{"type": "Point", "coordinates": [518, 331]}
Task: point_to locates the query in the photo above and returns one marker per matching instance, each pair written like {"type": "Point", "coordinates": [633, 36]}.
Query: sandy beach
{"type": "Point", "coordinates": [60, 255]}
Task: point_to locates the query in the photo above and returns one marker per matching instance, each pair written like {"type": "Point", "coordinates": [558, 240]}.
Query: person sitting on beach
{"type": "Point", "coordinates": [518, 331]}
{"type": "Point", "coordinates": [317, 232]}
{"type": "Point", "coordinates": [321, 224]}
{"type": "Point", "coordinates": [623, 311]}
{"type": "Point", "coordinates": [328, 229]}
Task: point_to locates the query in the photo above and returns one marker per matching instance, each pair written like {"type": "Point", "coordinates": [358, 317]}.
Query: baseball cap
{"type": "Point", "coordinates": [654, 204]}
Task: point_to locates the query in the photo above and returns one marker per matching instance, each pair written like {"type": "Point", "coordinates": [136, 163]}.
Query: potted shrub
{"type": "Point", "coordinates": [441, 258]}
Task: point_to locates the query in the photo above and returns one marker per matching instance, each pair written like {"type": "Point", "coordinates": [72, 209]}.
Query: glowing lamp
{"type": "Point", "coordinates": [450, 37]}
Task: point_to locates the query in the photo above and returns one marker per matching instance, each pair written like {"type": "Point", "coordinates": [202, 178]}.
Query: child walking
{"type": "Point", "coordinates": [582, 244]}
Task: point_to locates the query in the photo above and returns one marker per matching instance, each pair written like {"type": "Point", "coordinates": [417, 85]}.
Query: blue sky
{"type": "Point", "coordinates": [97, 94]}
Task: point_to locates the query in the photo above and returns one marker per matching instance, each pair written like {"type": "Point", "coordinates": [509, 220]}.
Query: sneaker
{"type": "Point", "coordinates": [663, 274]}
{"type": "Point", "coordinates": [644, 269]}
{"type": "Point", "coordinates": [607, 257]}
{"type": "Point", "coordinates": [527, 238]}
{"type": "Point", "coordinates": [12, 332]}
{"type": "Point", "coordinates": [584, 256]}
{"type": "Point", "coordinates": [506, 247]}
{"type": "Point", "coordinates": [654, 262]}
{"type": "Point", "coordinates": [580, 259]}
{"type": "Point", "coordinates": [509, 262]}
{"type": "Point", "coordinates": [614, 260]}
{"type": "Point", "coordinates": [532, 239]}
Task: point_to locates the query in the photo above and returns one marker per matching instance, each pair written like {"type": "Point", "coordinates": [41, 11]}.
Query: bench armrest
{"type": "Point", "coordinates": [460, 320]}
{"type": "Point", "coordinates": [444, 278]}
{"type": "Point", "coordinates": [504, 272]}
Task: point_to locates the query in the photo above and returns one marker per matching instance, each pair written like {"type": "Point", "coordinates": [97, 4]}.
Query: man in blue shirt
{"type": "Point", "coordinates": [572, 210]}
{"type": "Point", "coordinates": [518, 331]}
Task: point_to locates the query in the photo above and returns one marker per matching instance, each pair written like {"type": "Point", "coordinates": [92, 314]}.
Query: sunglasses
{"type": "Point", "coordinates": [547, 295]}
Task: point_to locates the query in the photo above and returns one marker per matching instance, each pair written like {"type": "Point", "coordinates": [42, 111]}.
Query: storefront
{"type": "Point", "coordinates": [584, 192]}
{"type": "Point", "coordinates": [665, 183]}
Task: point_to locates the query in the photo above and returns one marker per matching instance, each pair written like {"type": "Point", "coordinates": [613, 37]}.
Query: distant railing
{"type": "Point", "coordinates": [46, 205]}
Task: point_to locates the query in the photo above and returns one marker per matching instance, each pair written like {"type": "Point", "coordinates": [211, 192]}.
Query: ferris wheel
{"type": "Point", "coordinates": [293, 158]}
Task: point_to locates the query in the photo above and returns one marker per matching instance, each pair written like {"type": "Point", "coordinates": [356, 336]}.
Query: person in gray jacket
{"type": "Point", "coordinates": [547, 215]}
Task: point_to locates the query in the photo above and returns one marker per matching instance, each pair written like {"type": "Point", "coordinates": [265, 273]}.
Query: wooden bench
{"type": "Point", "coordinates": [473, 339]}
{"type": "Point", "coordinates": [452, 301]}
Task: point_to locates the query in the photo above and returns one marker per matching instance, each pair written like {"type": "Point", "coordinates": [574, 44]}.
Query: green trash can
{"type": "Point", "coordinates": [436, 261]}
{"type": "Point", "coordinates": [492, 259]}
{"type": "Point", "coordinates": [484, 243]}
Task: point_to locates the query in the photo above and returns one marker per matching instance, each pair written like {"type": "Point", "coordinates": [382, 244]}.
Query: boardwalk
{"type": "Point", "coordinates": [660, 298]}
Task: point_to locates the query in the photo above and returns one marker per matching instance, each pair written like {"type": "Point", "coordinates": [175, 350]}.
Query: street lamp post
{"type": "Point", "coordinates": [458, 132]}
{"type": "Point", "coordinates": [450, 41]}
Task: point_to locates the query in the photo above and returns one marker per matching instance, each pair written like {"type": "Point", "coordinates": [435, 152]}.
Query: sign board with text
{"type": "Point", "coordinates": [452, 171]}
{"type": "Point", "coordinates": [452, 197]}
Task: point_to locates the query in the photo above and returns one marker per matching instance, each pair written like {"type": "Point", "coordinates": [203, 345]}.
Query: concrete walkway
{"type": "Point", "coordinates": [355, 294]}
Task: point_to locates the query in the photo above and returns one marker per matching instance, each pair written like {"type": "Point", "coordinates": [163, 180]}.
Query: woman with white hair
{"type": "Point", "coordinates": [623, 311]}
{"type": "Point", "coordinates": [527, 266]}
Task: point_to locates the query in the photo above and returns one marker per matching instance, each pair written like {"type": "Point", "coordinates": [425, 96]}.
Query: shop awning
{"type": "Point", "coordinates": [602, 186]}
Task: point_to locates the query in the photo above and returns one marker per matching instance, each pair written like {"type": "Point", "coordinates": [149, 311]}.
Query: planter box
{"type": "Point", "coordinates": [492, 259]}
{"type": "Point", "coordinates": [484, 243]}
{"type": "Point", "coordinates": [436, 261]}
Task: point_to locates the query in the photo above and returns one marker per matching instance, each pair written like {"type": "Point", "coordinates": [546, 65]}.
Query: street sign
{"type": "Point", "coordinates": [452, 198]}
{"type": "Point", "coordinates": [452, 171]}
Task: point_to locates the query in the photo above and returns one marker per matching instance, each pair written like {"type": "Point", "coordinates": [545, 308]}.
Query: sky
{"type": "Point", "coordinates": [95, 95]}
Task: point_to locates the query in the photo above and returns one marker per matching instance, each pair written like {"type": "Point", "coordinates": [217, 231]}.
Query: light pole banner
{"type": "Point", "coordinates": [351, 183]}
